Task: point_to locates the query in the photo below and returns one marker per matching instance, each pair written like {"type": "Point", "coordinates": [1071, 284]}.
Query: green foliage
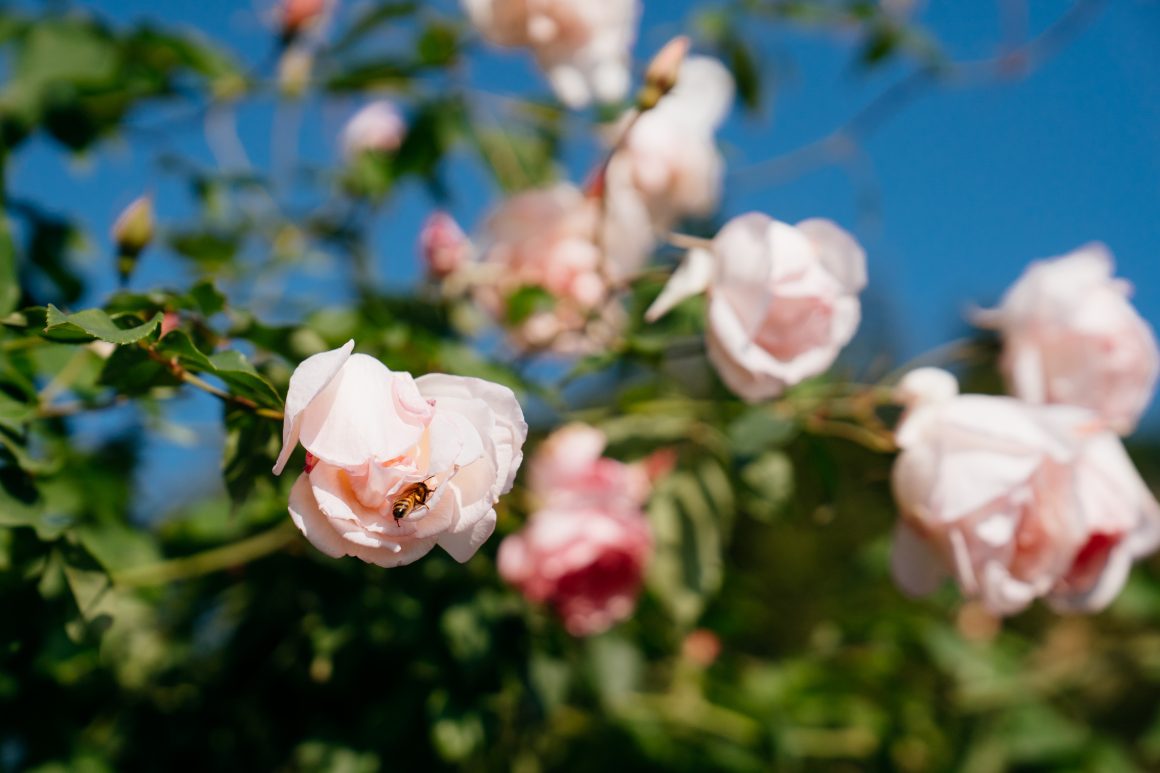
{"type": "Point", "coordinates": [208, 634]}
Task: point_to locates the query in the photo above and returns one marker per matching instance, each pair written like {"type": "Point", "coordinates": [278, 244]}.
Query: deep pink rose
{"type": "Point", "coordinates": [397, 465]}
{"type": "Point", "coordinates": [1071, 336]}
{"type": "Point", "coordinates": [585, 549]}
{"type": "Point", "coordinates": [587, 562]}
{"type": "Point", "coordinates": [1015, 501]}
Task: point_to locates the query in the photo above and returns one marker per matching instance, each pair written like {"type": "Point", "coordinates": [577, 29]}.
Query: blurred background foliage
{"type": "Point", "coordinates": [209, 634]}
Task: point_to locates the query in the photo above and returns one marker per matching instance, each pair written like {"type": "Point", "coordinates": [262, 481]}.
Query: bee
{"type": "Point", "coordinates": [410, 499]}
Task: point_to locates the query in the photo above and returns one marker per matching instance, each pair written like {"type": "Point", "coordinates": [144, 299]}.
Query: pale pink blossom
{"type": "Point", "coordinates": [1071, 336]}
{"type": "Point", "coordinates": [1015, 501]}
{"type": "Point", "coordinates": [583, 46]}
{"type": "Point", "coordinates": [669, 157]}
{"type": "Point", "coordinates": [396, 465]}
{"type": "Point", "coordinates": [569, 468]}
{"type": "Point", "coordinates": [554, 240]}
{"type": "Point", "coordinates": [378, 127]}
{"type": "Point", "coordinates": [783, 300]}
{"type": "Point", "coordinates": [443, 245]}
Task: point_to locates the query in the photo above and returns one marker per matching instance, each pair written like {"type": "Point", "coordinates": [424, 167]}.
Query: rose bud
{"type": "Point", "coordinates": [397, 465]}
{"type": "Point", "coordinates": [132, 232]}
{"type": "Point", "coordinates": [297, 15]}
{"type": "Point", "coordinates": [1071, 336]}
{"type": "Point", "coordinates": [443, 245]}
{"type": "Point", "coordinates": [661, 74]}
{"type": "Point", "coordinates": [377, 128]}
{"type": "Point", "coordinates": [1015, 501]}
{"type": "Point", "coordinates": [783, 300]}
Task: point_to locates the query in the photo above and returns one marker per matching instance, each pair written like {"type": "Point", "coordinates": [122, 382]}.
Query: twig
{"type": "Point", "coordinates": [215, 560]}
{"type": "Point", "coordinates": [843, 141]}
{"type": "Point", "coordinates": [179, 371]}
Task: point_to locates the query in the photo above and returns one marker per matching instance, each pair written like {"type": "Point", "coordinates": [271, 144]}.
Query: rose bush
{"type": "Point", "coordinates": [1013, 500]}
{"type": "Point", "coordinates": [783, 300]}
{"type": "Point", "coordinates": [372, 436]}
{"type": "Point", "coordinates": [1071, 336]}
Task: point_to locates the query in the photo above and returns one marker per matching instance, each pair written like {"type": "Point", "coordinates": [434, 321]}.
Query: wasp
{"type": "Point", "coordinates": [410, 499]}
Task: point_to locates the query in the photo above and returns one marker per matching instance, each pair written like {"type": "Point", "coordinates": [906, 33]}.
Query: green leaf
{"type": "Point", "coordinates": [131, 371]}
{"type": "Point", "coordinates": [438, 46]}
{"type": "Point", "coordinates": [770, 476]}
{"type": "Point", "coordinates": [250, 448]}
{"type": "Point", "coordinates": [231, 367]}
{"type": "Point", "coordinates": [526, 301]}
{"type": "Point", "coordinates": [95, 323]}
{"type": "Point", "coordinates": [14, 414]}
{"type": "Point", "coordinates": [20, 503]}
{"type": "Point", "coordinates": [9, 277]}
{"type": "Point", "coordinates": [760, 429]}
{"type": "Point", "coordinates": [686, 567]}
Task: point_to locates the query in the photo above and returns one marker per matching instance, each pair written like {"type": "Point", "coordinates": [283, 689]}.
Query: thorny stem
{"type": "Point", "coordinates": [178, 371]}
{"type": "Point", "coordinates": [214, 560]}
{"type": "Point", "coordinates": [688, 242]}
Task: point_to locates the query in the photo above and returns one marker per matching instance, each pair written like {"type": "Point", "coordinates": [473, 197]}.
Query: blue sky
{"type": "Point", "coordinates": [970, 184]}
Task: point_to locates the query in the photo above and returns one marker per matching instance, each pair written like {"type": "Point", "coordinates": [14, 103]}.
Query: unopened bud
{"type": "Point", "coordinates": [132, 232]}
{"type": "Point", "coordinates": [443, 245]}
{"type": "Point", "coordinates": [701, 647]}
{"type": "Point", "coordinates": [297, 15]}
{"type": "Point", "coordinates": [662, 72]}
{"type": "Point", "coordinates": [378, 128]}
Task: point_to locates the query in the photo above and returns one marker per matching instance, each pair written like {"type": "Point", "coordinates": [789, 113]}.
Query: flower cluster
{"type": "Point", "coordinates": [1017, 498]}
{"type": "Point", "coordinates": [1033, 496]}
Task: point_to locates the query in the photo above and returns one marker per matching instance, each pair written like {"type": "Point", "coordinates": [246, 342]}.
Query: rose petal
{"type": "Point", "coordinates": [308, 380]}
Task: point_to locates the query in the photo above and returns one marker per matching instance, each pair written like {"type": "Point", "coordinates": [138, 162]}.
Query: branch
{"type": "Point", "coordinates": [180, 372]}
{"type": "Point", "coordinates": [843, 141]}
{"type": "Point", "coordinates": [209, 561]}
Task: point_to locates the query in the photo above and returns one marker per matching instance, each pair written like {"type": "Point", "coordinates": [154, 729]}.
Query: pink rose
{"type": "Point", "coordinates": [783, 300]}
{"type": "Point", "coordinates": [1071, 336]}
{"type": "Point", "coordinates": [1016, 501]}
{"type": "Point", "coordinates": [582, 46]}
{"type": "Point", "coordinates": [585, 550]}
{"type": "Point", "coordinates": [548, 239]}
{"type": "Point", "coordinates": [569, 469]}
{"type": "Point", "coordinates": [587, 562]}
{"type": "Point", "coordinates": [378, 128]}
{"type": "Point", "coordinates": [396, 465]}
{"type": "Point", "coordinates": [669, 157]}
{"type": "Point", "coordinates": [443, 245]}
